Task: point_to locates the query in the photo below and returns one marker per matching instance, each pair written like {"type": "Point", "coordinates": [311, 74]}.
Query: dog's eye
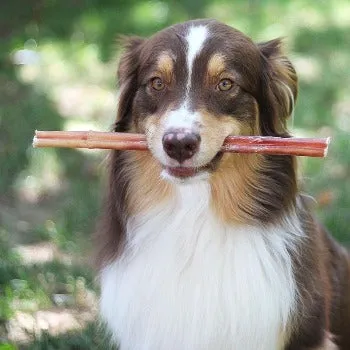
{"type": "Point", "coordinates": [157, 84]}
{"type": "Point", "coordinates": [225, 85]}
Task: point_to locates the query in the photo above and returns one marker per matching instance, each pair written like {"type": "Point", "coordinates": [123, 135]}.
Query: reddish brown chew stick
{"type": "Point", "coordinates": [311, 147]}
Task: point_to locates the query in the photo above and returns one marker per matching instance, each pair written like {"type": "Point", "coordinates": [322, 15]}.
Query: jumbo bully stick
{"type": "Point", "coordinates": [311, 147]}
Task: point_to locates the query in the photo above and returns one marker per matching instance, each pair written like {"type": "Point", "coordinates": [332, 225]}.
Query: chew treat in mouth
{"type": "Point", "coordinates": [310, 147]}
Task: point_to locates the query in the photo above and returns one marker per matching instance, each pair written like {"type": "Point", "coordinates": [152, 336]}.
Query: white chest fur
{"type": "Point", "coordinates": [189, 282]}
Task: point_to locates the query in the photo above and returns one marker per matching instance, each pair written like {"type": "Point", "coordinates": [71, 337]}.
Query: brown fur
{"type": "Point", "coordinates": [245, 188]}
{"type": "Point", "coordinates": [232, 195]}
{"type": "Point", "coordinates": [320, 271]}
{"type": "Point", "coordinates": [166, 66]}
{"type": "Point", "coordinates": [327, 345]}
{"type": "Point", "coordinates": [148, 188]}
{"type": "Point", "coordinates": [216, 66]}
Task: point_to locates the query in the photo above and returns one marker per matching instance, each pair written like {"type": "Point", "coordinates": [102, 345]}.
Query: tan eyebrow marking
{"type": "Point", "coordinates": [216, 65]}
{"type": "Point", "coordinates": [165, 65]}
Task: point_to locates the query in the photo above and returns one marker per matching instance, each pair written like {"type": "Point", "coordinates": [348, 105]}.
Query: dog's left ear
{"type": "Point", "coordinates": [127, 80]}
{"type": "Point", "coordinates": [279, 88]}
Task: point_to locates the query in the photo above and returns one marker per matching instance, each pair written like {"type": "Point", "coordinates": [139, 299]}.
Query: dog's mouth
{"type": "Point", "coordinates": [185, 172]}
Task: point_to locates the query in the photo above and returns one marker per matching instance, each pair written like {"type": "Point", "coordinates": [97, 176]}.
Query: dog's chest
{"type": "Point", "coordinates": [189, 282]}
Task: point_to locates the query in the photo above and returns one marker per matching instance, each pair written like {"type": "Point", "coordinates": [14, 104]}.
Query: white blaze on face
{"type": "Point", "coordinates": [195, 40]}
{"type": "Point", "coordinates": [183, 117]}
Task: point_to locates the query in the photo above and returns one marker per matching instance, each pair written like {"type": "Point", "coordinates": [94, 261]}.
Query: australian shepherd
{"type": "Point", "coordinates": [205, 250]}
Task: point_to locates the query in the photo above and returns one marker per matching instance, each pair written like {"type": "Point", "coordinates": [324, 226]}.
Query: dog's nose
{"type": "Point", "coordinates": [181, 144]}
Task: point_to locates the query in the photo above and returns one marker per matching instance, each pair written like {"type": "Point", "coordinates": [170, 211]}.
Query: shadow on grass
{"type": "Point", "coordinates": [49, 289]}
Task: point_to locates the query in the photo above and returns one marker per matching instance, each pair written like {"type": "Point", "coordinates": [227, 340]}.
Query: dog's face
{"type": "Point", "coordinates": [190, 86]}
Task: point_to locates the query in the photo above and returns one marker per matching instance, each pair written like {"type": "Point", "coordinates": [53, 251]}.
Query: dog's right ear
{"type": "Point", "coordinates": [127, 80]}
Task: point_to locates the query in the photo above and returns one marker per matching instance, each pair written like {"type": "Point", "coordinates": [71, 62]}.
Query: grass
{"type": "Point", "coordinates": [92, 337]}
{"type": "Point", "coordinates": [52, 286]}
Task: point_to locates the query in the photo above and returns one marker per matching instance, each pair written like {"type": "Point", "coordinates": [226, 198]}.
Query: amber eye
{"type": "Point", "coordinates": [157, 84]}
{"type": "Point", "coordinates": [225, 85]}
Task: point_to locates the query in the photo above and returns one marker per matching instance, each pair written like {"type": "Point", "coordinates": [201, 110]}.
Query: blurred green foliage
{"type": "Point", "coordinates": [57, 71]}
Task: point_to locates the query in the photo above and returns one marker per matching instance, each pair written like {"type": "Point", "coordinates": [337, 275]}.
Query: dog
{"type": "Point", "coordinates": [200, 249]}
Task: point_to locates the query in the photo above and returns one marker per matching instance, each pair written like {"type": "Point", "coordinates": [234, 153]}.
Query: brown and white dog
{"type": "Point", "coordinates": [201, 250]}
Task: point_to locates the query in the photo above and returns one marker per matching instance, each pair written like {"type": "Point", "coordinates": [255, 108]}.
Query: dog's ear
{"type": "Point", "coordinates": [279, 88]}
{"type": "Point", "coordinates": [127, 80]}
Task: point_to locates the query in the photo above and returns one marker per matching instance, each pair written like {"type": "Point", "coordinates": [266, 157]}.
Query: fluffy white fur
{"type": "Point", "coordinates": [187, 281]}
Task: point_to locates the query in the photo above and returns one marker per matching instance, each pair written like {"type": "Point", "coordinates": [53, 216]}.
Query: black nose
{"type": "Point", "coordinates": [181, 144]}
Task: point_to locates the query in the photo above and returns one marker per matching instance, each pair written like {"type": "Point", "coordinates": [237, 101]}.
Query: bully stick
{"type": "Point", "coordinates": [311, 147]}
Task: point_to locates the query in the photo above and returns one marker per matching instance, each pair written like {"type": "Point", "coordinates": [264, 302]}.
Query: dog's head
{"type": "Point", "coordinates": [191, 85]}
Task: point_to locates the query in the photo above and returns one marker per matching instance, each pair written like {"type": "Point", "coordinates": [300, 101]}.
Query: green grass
{"type": "Point", "coordinates": [92, 337]}
{"type": "Point", "coordinates": [34, 287]}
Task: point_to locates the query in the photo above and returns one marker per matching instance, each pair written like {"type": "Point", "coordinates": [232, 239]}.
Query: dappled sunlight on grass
{"type": "Point", "coordinates": [46, 290]}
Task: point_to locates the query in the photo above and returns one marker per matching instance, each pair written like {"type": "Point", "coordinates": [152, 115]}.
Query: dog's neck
{"type": "Point", "coordinates": [245, 189]}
